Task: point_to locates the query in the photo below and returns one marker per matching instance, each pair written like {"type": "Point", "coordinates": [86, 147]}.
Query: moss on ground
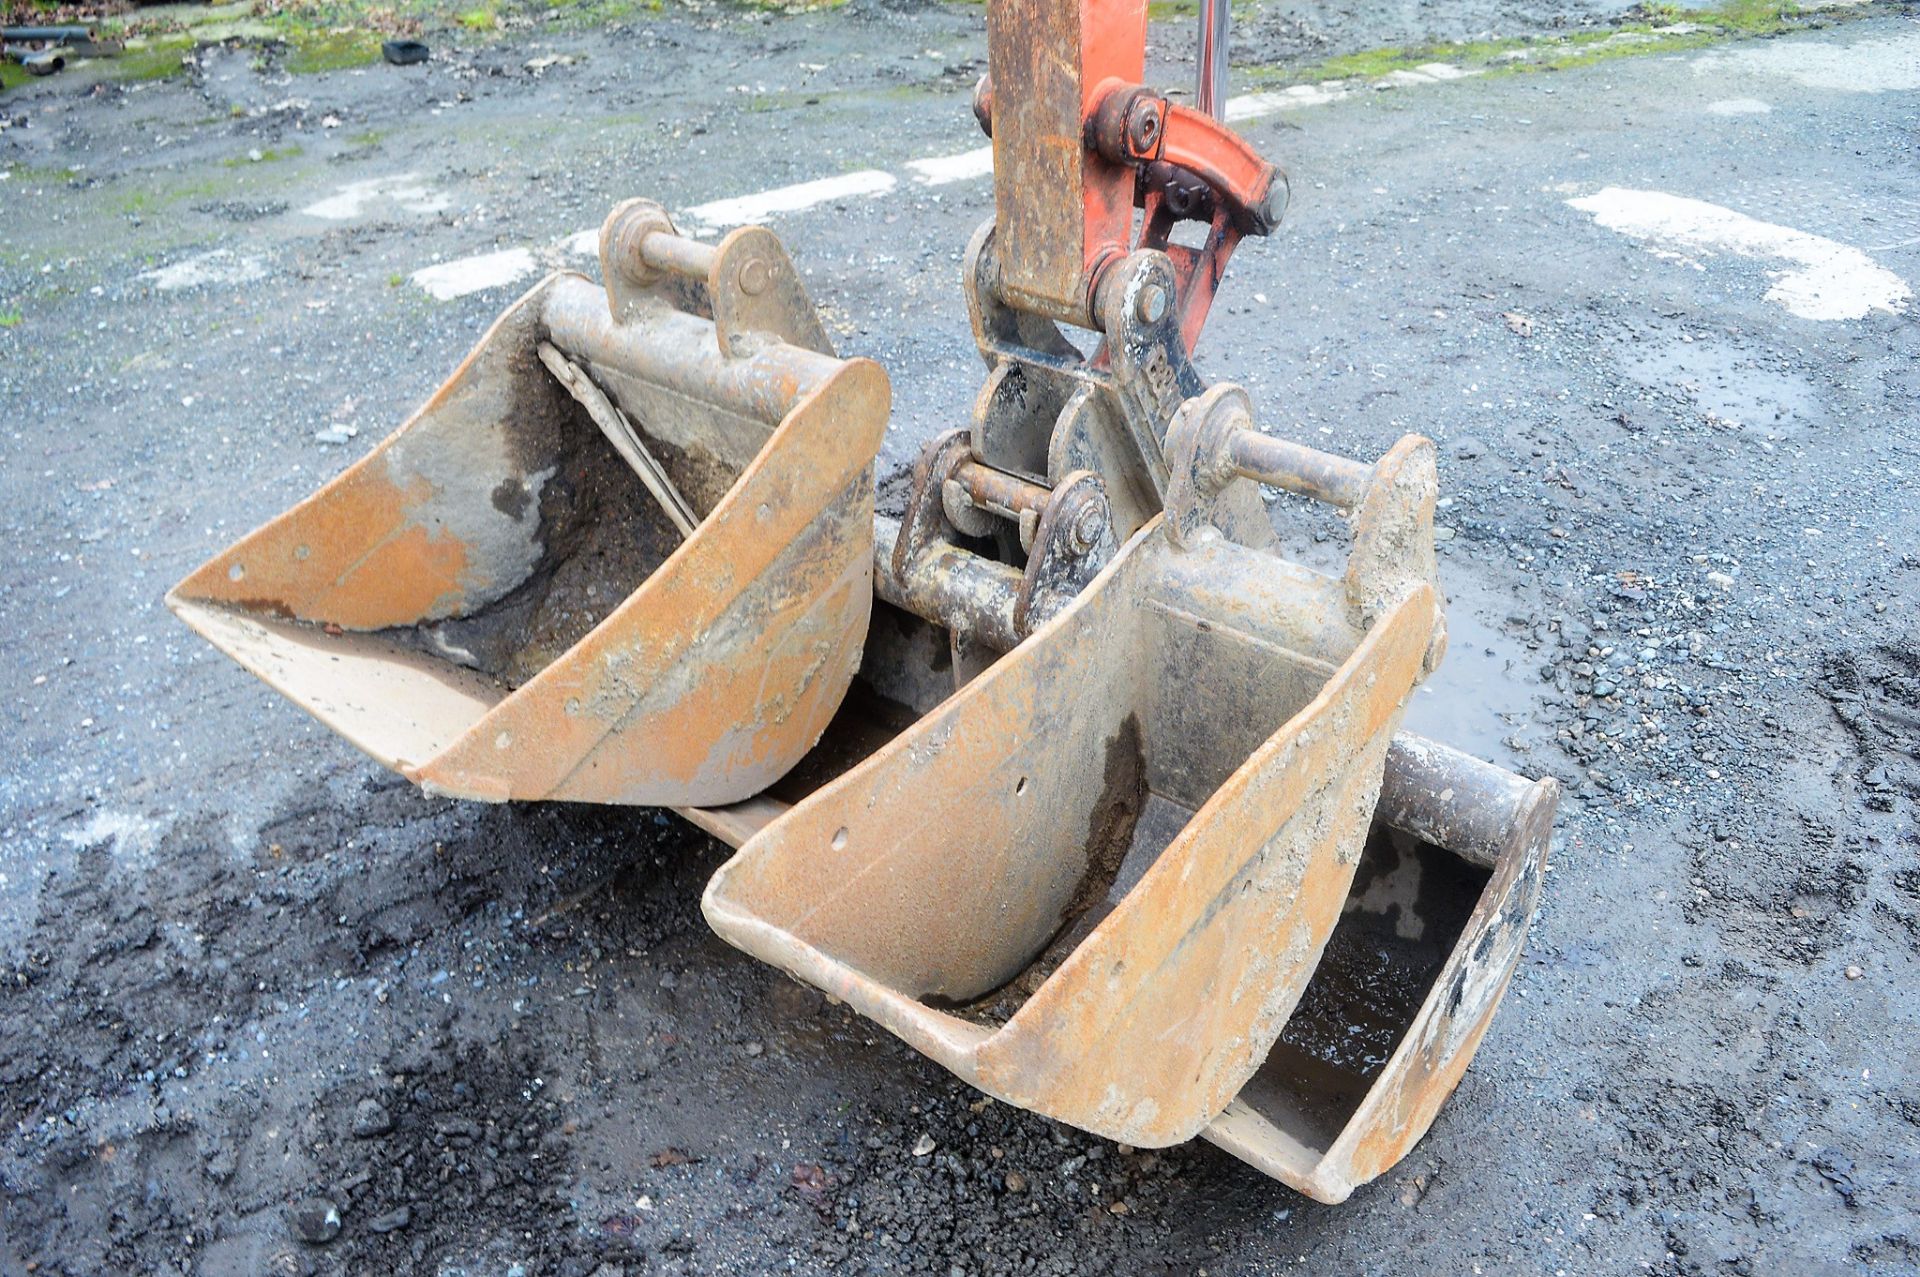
{"type": "Point", "coordinates": [143, 203]}
{"type": "Point", "coordinates": [154, 58]}
{"type": "Point", "coordinates": [270, 155]}
{"type": "Point", "coordinates": [310, 52]}
{"type": "Point", "coordinates": [1652, 28]}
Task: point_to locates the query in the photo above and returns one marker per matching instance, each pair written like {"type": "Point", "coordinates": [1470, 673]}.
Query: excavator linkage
{"type": "Point", "coordinates": [1061, 772]}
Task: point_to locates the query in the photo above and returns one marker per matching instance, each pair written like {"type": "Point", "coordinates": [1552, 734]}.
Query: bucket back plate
{"type": "Point", "coordinates": [1094, 882]}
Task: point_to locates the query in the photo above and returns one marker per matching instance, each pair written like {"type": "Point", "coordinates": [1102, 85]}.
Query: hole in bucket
{"type": "Point", "coordinates": [236, 573]}
{"type": "Point", "coordinates": [1021, 786]}
{"type": "Point", "coordinates": [839, 841]}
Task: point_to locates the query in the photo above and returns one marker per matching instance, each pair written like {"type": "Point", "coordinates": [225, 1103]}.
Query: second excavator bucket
{"type": "Point", "coordinates": [1096, 881]}
{"type": "Point", "coordinates": [1430, 935]}
{"type": "Point", "coordinates": [624, 555]}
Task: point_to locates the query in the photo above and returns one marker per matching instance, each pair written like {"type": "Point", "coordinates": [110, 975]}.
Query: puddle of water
{"type": "Point", "coordinates": [1730, 387]}
{"type": "Point", "coordinates": [1483, 692]}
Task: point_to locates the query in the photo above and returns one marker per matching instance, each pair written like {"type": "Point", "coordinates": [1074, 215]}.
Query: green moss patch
{"type": "Point", "coordinates": [312, 52]}
{"type": "Point", "coordinates": [1653, 28]}
{"type": "Point", "coordinates": [270, 155]}
{"type": "Point", "coordinates": [149, 59]}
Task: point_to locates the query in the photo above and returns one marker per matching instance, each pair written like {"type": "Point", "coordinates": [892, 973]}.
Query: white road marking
{"type": "Point", "coordinates": [1819, 278]}
{"type": "Point", "coordinates": [221, 266]}
{"type": "Point", "coordinates": [940, 169]}
{"type": "Point", "coordinates": [407, 190]}
{"type": "Point", "coordinates": [934, 170]}
{"type": "Point", "coordinates": [1426, 73]}
{"type": "Point", "coordinates": [1738, 106]}
{"type": "Point", "coordinates": [466, 275]}
{"type": "Point", "coordinates": [1251, 106]}
{"type": "Point", "coordinates": [1865, 66]}
{"type": "Point", "coordinates": [744, 210]}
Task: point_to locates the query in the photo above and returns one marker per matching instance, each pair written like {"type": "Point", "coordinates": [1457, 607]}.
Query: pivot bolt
{"type": "Point", "coordinates": [754, 277]}
{"type": "Point", "coordinates": [1150, 304]}
{"type": "Point", "coordinates": [1087, 525]}
{"type": "Point", "coordinates": [1143, 128]}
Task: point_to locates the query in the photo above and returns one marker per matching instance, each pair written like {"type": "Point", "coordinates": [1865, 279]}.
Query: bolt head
{"type": "Point", "coordinates": [1087, 525]}
{"type": "Point", "coordinates": [1143, 128]}
{"type": "Point", "coordinates": [755, 277]}
{"type": "Point", "coordinates": [1150, 304]}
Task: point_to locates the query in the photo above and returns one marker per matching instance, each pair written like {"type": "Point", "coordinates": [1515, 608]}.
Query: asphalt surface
{"type": "Point", "coordinates": [246, 976]}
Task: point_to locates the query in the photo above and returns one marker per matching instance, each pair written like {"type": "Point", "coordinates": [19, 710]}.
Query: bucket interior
{"type": "Point", "coordinates": [1408, 908]}
{"type": "Point", "coordinates": [966, 864]}
{"type": "Point", "coordinates": [470, 552]}
{"type": "Point", "coordinates": [599, 535]}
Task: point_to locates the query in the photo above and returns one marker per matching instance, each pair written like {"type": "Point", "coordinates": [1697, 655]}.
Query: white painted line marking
{"type": "Point", "coordinates": [476, 274]}
{"type": "Point", "coordinates": [1738, 106]}
{"type": "Point", "coordinates": [1251, 106]}
{"type": "Point", "coordinates": [744, 210]}
{"type": "Point", "coordinates": [1865, 66]}
{"type": "Point", "coordinates": [221, 266]}
{"type": "Point", "coordinates": [408, 190]}
{"type": "Point", "coordinates": [940, 169]}
{"type": "Point", "coordinates": [1820, 278]}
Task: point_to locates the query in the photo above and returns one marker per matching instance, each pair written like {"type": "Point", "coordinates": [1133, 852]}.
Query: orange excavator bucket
{"type": "Point", "coordinates": [1096, 881]}
{"type": "Point", "coordinates": [1064, 774]}
{"type": "Point", "coordinates": [622, 556]}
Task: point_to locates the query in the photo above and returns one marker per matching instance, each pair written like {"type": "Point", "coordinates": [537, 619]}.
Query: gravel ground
{"type": "Point", "coordinates": [265, 1008]}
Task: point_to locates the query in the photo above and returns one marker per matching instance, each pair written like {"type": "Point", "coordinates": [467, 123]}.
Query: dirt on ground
{"type": "Point", "coordinates": [267, 1008]}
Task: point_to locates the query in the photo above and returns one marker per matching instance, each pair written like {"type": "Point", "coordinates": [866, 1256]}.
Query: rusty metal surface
{"type": "Point", "coordinates": [1059, 205]}
{"type": "Point", "coordinates": [491, 604]}
{"type": "Point", "coordinates": [1113, 875]}
{"type": "Point", "coordinates": [1266, 1126]}
{"type": "Point", "coordinates": [943, 868]}
{"type": "Point", "coordinates": [1213, 442]}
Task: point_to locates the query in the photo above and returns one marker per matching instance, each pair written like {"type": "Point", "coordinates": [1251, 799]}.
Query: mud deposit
{"type": "Point", "coordinates": [265, 1009]}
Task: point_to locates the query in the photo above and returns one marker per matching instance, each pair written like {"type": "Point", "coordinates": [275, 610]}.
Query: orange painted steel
{"type": "Point", "coordinates": [1104, 805]}
{"type": "Point", "coordinates": [1095, 881]}
{"type": "Point", "coordinates": [490, 604]}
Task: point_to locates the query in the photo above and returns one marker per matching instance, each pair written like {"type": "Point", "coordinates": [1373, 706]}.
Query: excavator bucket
{"type": "Point", "coordinates": [1097, 880]}
{"type": "Point", "coordinates": [1430, 935]}
{"type": "Point", "coordinates": [622, 556]}
{"type": "Point", "coordinates": [1066, 775]}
